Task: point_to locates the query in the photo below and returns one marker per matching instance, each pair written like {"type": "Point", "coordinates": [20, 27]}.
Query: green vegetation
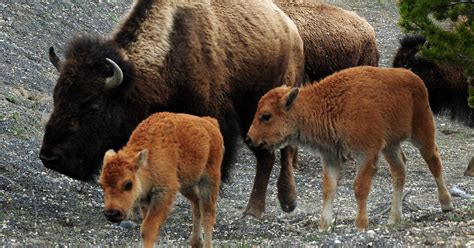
{"type": "Point", "coordinates": [114, 17]}
{"type": "Point", "coordinates": [17, 128]}
{"type": "Point", "coordinates": [448, 27]}
{"type": "Point", "coordinates": [11, 98]}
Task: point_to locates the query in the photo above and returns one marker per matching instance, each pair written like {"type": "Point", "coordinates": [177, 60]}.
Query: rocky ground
{"type": "Point", "coordinates": [42, 208]}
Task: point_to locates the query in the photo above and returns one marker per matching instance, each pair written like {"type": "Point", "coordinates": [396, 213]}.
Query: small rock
{"type": "Point", "coordinates": [371, 234]}
{"type": "Point", "coordinates": [127, 224]}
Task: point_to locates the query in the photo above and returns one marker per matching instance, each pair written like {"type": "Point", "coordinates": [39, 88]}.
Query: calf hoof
{"type": "Point", "coordinates": [197, 243]}
{"type": "Point", "coordinates": [254, 211]}
{"type": "Point", "coordinates": [394, 219]}
{"type": "Point", "coordinates": [325, 224]}
{"type": "Point", "coordinates": [447, 207]}
{"type": "Point", "coordinates": [446, 203]}
{"type": "Point", "coordinates": [362, 223]}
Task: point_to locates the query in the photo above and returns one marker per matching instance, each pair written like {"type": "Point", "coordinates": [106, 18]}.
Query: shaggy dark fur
{"type": "Point", "coordinates": [447, 86]}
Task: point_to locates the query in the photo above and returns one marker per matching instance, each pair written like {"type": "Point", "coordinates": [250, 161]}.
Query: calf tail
{"type": "Point", "coordinates": [447, 87]}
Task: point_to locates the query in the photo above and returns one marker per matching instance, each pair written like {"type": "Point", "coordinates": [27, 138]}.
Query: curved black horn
{"type": "Point", "coordinates": [54, 59]}
{"type": "Point", "coordinates": [116, 79]}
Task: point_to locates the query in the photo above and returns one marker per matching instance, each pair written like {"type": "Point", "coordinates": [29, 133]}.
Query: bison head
{"type": "Point", "coordinates": [273, 126]}
{"type": "Point", "coordinates": [92, 107]}
{"type": "Point", "coordinates": [120, 183]}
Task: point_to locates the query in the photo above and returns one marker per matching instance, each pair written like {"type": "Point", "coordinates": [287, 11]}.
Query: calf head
{"type": "Point", "coordinates": [273, 125]}
{"type": "Point", "coordinates": [120, 183]}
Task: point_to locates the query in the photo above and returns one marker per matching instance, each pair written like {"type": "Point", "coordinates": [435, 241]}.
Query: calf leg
{"type": "Point", "coordinates": [423, 138]}
{"type": "Point", "coordinates": [431, 156]}
{"type": "Point", "coordinates": [396, 160]}
{"type": "Point", "coordinates": [362, 184]}
{"type": "Point", "coordinates": [196, 236]}
{"type": "Point", "coordinates": [331, 175]}
{"type": "Point", "coordinates": [155, 217]}
{"type": "Point", "coordinates": [286, 181]}
{"type": "Point", "coordinates": [208, 206]}
{"type": "Point", "coordinates": [256, 204]}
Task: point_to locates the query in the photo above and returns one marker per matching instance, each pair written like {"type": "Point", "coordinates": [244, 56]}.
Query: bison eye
{"type": "Point", "coordinates": [127, 186]}
{"type": "Point", "coordinates": [266, 117]}
{"type": "Point", "coordinates": [94, 107]}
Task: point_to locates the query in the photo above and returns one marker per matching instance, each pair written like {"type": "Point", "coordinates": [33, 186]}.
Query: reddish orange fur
{"type": "Point", "coordinates": [358, 112]}
{"type": "Point", "coordinates": [470, 168]}
{"type": "Point", "coordinates": [166, 153]}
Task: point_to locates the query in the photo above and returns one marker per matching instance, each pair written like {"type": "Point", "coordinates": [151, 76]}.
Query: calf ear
{"type": "Point", "coordinates": [108, 155]}
{"type": "Point", "coordinates": [141, 159]}
{"type": "Point", "coordinates": [290, 98]}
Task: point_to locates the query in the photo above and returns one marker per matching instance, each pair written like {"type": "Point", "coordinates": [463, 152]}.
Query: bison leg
{"type": "Point", "coordinates": [396, 161]}
{"type": "Point", "coordinates": [286, 181]}
{"type": "Point", "coordinates": [362, 184]}
{"type": "Point", "coordinates": [331, 174]}
{"type": "Point", "coordinates": [256, 204]}
{"type": "Point", "coordinates": [155, 217]}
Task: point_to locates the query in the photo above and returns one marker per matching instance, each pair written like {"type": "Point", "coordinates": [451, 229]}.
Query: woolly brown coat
{"type": "Point", "coordinates": [334, 38]}
{"type": "Point", "coordinates": [357, 112]}
{"type": "Point", "coordinates": [166, 153]}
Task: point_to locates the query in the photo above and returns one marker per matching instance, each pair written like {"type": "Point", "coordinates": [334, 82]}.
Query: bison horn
{"type": "Point", "coordinates": [116, 79]}
{"type": "Point", "coordinates": [54, 59]}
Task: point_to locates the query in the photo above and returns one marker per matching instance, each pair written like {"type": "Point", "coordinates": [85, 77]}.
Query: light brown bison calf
{"type": "Point", "coordinates": [357, 112]}
{"type": "Point", "coordinates": [166, 153]}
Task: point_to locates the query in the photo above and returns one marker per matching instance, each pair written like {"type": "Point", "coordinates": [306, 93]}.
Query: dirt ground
{"type": "Point", "coordinates": [42, 208]}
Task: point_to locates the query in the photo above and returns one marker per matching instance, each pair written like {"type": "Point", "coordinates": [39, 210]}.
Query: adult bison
{"type": "Point", "coordinates": [447, 85]}
{"type": "Point", "coordinates": [213, 59]}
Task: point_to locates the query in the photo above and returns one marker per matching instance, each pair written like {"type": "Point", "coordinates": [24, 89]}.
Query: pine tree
{"type": "Point", "coordinates": [449, 29]}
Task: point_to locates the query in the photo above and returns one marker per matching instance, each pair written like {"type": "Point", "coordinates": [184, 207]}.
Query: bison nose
{"type": "Point", "coordinates": [49, 158]}
{"type": "Point", "coordinates": [112, 215]}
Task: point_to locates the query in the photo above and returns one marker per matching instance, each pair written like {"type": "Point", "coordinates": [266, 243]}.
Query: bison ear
{"type": "Point", "coordinates": [108, 155]}
{"type": "Point", "coordinates": [290, 98]}
{"type": "Point", "coordinates": [54, 59]}
{"type": "Point", "coordinates": [141, 159]}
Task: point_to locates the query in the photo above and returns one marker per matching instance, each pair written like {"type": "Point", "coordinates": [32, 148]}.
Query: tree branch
{"type": "Point", "coordinates": [460, 2]}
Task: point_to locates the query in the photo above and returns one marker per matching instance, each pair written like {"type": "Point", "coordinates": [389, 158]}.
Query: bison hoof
{"type": "Point", "coordinates": [253, 211]}
{"type": "Point", "coordinates": [288, 206]}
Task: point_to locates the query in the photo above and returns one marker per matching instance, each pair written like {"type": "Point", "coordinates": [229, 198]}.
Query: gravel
{"type": "Point", "coordinates": [40, 207]}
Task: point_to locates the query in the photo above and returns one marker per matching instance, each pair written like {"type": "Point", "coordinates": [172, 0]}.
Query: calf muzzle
{"type": "Point", "coordinates": [113, 215]}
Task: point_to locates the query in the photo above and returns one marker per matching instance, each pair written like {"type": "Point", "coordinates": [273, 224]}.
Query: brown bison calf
{"type": "Point", "coordinates": [166, 153]}
{"type": "Point", "coordinates": [357, 112]}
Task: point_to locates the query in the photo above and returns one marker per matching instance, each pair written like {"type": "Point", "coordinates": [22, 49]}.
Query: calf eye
{"type": "Point", "coordinates": [266, 117]}
{"type": "Point", "coordinates": [127, 186]}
